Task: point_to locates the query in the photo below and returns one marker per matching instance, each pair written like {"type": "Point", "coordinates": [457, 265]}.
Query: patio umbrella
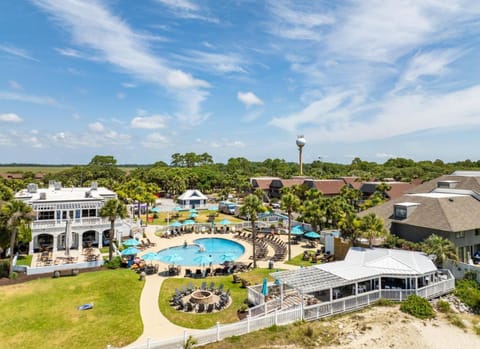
{"type": "Point", "coordinates": [298, 228]}
{"type": "Point", "coordinates": [150, 256]}
{"type": "Point", "coordinates": [192, 210]}
{"type": "Point", "coordinates": [188, 222]}
{"type": "Point", "coordinates": [175, 224]}
{"type": "Point", "coordinates": [225, 222]}
{"type": "Point", "coordinates": [193, 215]}
{"type": "Point", "coordinates": [296, 232]}
{"type": "Point", "coordinates": [155, 209]}
{"type": "Point", "coordinates": [265, 287]}
{"type": "Point", "coordinates": [312, 235]}
{"type": "Point", "coordinates": [131, 242]}
{"type": "Point", "coordinates": [130, 251]}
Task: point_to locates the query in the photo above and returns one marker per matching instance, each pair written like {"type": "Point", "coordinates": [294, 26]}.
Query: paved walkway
{"type": "Point", "coordinates": [155, 325]}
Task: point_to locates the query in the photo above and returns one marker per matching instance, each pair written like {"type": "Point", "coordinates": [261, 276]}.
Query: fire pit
{"type": "Point", "coordinates": [201, 297]}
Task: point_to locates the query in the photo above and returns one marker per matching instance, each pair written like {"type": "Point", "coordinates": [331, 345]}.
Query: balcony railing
{"type": "Point", "coordinates": [53, 223]}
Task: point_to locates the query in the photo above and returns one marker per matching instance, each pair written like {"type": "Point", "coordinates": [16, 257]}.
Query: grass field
{"type": "Point", "coordinates": [201, 321]}
{"type": "Point", "coordinates": [43, 313]}
{"type": "Point", "coordinates": [164, 218]}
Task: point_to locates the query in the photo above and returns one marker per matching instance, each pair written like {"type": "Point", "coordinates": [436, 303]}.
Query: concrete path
{"type": "Point", "coordinates": [155, 325]}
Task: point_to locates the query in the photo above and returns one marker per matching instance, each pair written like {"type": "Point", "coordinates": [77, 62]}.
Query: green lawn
{"type": "Point", "coordinates": [298, 260]}
{"type": "Point", "coordinates": [193, 320]}
{"type": "Point", "coordinates": [163, 218]}
{"type": "Point", "coordinates": [43, 313]}
{"type": "Point", "coordinates": [25, 260]}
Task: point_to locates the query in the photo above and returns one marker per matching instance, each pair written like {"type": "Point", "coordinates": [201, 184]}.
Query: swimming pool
{"type": "Point", "coordinates": [216, 250]}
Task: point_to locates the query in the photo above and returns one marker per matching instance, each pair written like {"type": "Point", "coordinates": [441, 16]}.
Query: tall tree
{"type": "Point", "coordinates": [15, 218]}
{"type": "Point", "coordinates": [350, 225]}
{"type": "Point", "coordinates": [252, 206]}
{"type": "Point", "coordinates": [290, 203]}
{"type": "Point", "coordinates": [372, 227]}
{"type": "Point", "coordinates": [442, 248]}
{"type": "Point", "coordinates": [112, 210]}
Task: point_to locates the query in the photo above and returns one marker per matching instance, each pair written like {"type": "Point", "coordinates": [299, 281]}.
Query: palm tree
{"type": "Point", "coordinates": [442, 248]}
{"type": "Point", "coordinates": [112, 210]}
{"type": "Point", "coordinates": [350, 225]}
{"type": "Point", "coordinates": [15, 217]}
{"type": "Point", "coordinates": [372, 227]}
{"type": "Point", "coordinates": [252, 206]}
{"type": "Point", "coordinates": [289, 203]}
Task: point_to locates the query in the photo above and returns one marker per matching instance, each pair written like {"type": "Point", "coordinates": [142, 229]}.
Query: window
{"type": "Point", "coordinates": [45, 215]}
{"type": "Point", "coordinates": [477, 232]}
{"type": "Point", "coordinates": [460, 234]}
{"type": "Point", "coordinates": [400, 212]}
{"type": "Point", "coordinates": [89, 213]}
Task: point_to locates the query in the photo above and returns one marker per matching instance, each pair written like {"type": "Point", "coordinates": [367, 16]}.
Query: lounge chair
{"type": "Point", "coordinates": [212, 286]}
{"type": "Point", "coordinates": [201, 308]}
{"type": "Point", "coordinates": [210, 307]}
{"type": "Point", "coordinates": [219, 291]}
{"type": "Point", "coordinates": [189, 307]}
{"type": "Point", "coordinates": [204, 285]}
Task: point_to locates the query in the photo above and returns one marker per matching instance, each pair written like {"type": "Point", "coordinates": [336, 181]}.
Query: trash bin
{"type": "Point", "coordinates": [270, 264]}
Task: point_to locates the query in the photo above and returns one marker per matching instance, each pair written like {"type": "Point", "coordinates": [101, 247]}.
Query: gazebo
{"type": "Point", "coordinates": [192, 199]}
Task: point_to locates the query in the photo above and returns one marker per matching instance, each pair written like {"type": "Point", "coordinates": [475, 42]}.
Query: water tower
{"type": "Point", "coordinates": [300, 144]}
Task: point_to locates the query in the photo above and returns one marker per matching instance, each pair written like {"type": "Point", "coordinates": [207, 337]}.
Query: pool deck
{"type": "Point", "coordinates": [155, 325]}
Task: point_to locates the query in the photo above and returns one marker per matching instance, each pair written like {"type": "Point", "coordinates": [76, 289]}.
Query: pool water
{"type": "Point", "coordinates": [216, 250]}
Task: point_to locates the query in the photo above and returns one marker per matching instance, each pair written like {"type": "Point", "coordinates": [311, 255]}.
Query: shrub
{"type": "Point", "coordinates": [114, 263]}
{"type": "Point", "coordinates": [418, 307]}
{"type": "Point", "coordinates": [443, 306]}
{"type": "Point", "coordinates": [469, 293]}
{"type": "Point", "coordinates": [384, 302]}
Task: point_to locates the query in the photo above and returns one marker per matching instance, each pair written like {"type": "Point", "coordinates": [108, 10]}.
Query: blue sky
{"type": "Point", "coordinates": [141, 80]}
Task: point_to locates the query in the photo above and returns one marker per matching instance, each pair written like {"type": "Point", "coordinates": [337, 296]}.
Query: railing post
{"type": "Point", "coordinates": [184, 337]}
{"type": "Point", "coordinates": [248, 323]}
{"type": "Point", "coordinates": [218, 331]}
{"type": "Point", "coordinates": [148, 342]}
{"type": "Point", "coordinates": [276, 317]}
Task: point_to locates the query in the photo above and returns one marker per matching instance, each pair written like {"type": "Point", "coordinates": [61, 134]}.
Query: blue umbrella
{"type": "Point", "coordinates": [265, 287]}
{"type": "Point", "coordinates": [193, 215]}
{"type": "Point", "coordinates": [202, 259]}
{"type": "Point", "coordinates": [296, 232]}
{"type": "Point", "coordinates": [225, 222]}
{"type": "Point", "coordinates": [155, 209]}
{"type": "Point", "coordinates": [131, 242]}
{"type": "Point", "coordinates": [192, 210]}
{"type": "Point", "coordinates": [312, 235]}
{"type": "Point", "coordinates": [151, 256]}
{"type": "Point", "coordinates": [188, 222]}
{"type": "Point", "coordinates": [130, 251]}
{"type": "Point", "coordinates": [298, 228]}
{"type": "Point", "coordinates": [175, 224]}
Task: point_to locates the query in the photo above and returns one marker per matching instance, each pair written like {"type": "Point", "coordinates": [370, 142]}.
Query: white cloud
{"type": "Point", "coordinates": [96, 127]}
{"type": "Point", "coordinates": [10, 117]}
{"type": "Point", "coordinates": [121, 95]}
{"type": "Point", "coordinates": [15, 85]}
{"type": "Point", "coordinates": [128, 85]}
{"type": "Point", "coordinates": [188, 10]}
{"type": "Point", "coordinates": [249, 98]}
{"type": "Point", "coordinates": [298, 21]}
{"type": "Point", "coordinates": [93, 26]}
{"type": "Point", "coordinates": [431, 63]}
{"type": "Point", "coordinates": [15, 51]}
{"type": "Point", "coordinates": [149, 122]}
{"type": "Point", "coordinates": [221, 143]}
{"type": "Point", "coordinates": [13, 96]}
{"type": "Point", "coordinates": [214, 62]}
{"type": "Point", "coordinates": [341, 117]}
{"type": "Point", "coordinates": [155, 140]}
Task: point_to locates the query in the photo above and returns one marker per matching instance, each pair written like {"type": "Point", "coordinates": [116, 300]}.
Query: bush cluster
{"type": "Point", "coordinates": [114, 263]}
{"type": "Point", "coordinates": [468, 291]}
{"type": "Point", "coordinates": [418, 307]}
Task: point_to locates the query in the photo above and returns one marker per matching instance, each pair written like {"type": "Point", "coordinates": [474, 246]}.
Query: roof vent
{"type": "Point", "coordinates": [447, 184]}
{"type": "Point", "coordinates": [88, 194]}
{"type": "Point", "coordinates": [94, 185]}
{"type": "Point", "coordinates": [43, 196]}
{"type": "Point", "coordinates": [58, 185]}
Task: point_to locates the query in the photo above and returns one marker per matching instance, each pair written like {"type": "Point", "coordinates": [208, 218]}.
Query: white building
{"type": "Point", "coordinates": [192, 199]}
{"type": "Point", "coordinates": [55, 206]}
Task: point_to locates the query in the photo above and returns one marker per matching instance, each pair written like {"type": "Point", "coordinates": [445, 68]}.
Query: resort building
{"type": "Point", "coordinates": [69, 217]}
{"type": "Point", "coordinates": [364, 276]}
{"type": "Point", "coordinates": [192, 198]}
{"type": "Point", "coordinates": [448, 206]}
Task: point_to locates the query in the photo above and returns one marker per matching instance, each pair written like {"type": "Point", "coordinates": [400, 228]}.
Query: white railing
{"type": "Point", "coordinates": [296, 313]}
{"type": "Point", "coordinates": [53, 223]}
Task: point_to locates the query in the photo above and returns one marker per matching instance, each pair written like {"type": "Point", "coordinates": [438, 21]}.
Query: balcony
{"type": "Point", "coordinates": [79, 222]}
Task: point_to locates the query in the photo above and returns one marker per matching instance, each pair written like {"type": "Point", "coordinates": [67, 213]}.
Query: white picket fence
{"type": "Point", "coordinates": [300, 312]}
